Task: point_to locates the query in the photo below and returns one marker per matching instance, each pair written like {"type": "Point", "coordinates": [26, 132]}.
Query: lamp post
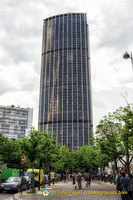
{"type": "Point", "coordinates": [127, 55]}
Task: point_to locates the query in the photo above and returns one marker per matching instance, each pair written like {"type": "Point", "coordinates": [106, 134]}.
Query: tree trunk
{"type": "Point", "coordinates": [40, 166]}
{"type": "Point", "coordinates": [49, 178]}
{"type": "Point", "coordinates": [32, 180]}
{"type": "Point", "coordinates": [116, 164]}
{"type": "Point", "coordinates": [39, 180]}
{"type": "Point", "coordinates": [127, 160]}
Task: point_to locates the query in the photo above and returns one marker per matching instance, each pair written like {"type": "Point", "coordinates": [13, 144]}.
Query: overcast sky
{"type": "Point", "coordinates": [111, 34]}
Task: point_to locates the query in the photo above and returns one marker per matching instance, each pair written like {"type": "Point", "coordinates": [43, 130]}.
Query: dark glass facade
{"type": "Point", "coordinates": [65, 88]}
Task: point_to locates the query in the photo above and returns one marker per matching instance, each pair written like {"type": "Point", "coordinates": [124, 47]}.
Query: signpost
{"type": "Point", "coordinates": [22, 159]}
{"type": "Point", "coordinates": [22, 162]}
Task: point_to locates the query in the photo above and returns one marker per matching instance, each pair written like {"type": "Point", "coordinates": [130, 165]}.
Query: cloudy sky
{"type": "Point", "coordinates": [111, 34]}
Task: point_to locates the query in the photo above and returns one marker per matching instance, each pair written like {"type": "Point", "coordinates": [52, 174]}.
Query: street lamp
{"type": "Point", "coordinates": [127, 55]}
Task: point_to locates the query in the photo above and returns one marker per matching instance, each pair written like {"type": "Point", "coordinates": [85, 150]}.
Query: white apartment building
{"type": "Point", "coordinates": [15, 122]}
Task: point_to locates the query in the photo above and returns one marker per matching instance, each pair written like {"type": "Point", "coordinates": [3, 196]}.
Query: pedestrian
{"type": "Point", "coordinates": [64, 177]}
{"type": "Point", "coordinates": [118, 183]}
{"type": "Point", "coordinates": [92, 176]}
{"type": "Point", "coordinates": [74, 177]}
{"type": "Point", "coordinates": [125, 182]}
{"type": "Point", "coordinates": [44, 181]}
{"type": "Point", "coordinates": [116, 176]}
{"type": "Point", "coordinates": [130, 187]}
{"type": "Point", "coordinates": [68, 177]}
{"type": "Point", "coordinates": [2, 179]}
{"type": "Point", "coordinates": [79, 180]}
{"type": "Point", "coordinates": [53, 180]}
{"type": "Point", "coordinates": [87, 179]}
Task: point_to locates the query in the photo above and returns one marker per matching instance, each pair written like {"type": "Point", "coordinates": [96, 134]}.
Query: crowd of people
{"type": "Point", "coordinates": [87, 177]}
{"type": "Point", "coordinates": [124, 183]}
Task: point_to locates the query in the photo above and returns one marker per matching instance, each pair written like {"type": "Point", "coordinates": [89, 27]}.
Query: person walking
{"type": "Point", "coordinates": [87, 179]}
{"type": "Point", "coordinates": [64, 177]}
{"type": "Point", "coordinates": [125, 182]}
{"type": "Point", "coordinates": [79, 180]}
{"type": "Point", "coordinates": [74, 177]}
{"type": "Point", "coordinates": [130, 187]}
{"type": "Point", "coordinates": [116, 176]}
{"type": "Point", "coordinates": [68, 177]}
{"type": "Point", "coordinates": [118, 183]}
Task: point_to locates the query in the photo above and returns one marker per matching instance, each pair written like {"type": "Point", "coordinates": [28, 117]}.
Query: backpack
{"type": "Point", "coordinates": [126, 184]}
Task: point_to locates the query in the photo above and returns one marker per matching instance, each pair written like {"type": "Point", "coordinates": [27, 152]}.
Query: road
{"type": "Point", "coordinates": [66, 191]}
{"type": "Point", "coordinates": [6, 196]}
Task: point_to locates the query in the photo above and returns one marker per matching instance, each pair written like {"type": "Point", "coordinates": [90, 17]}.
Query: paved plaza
{"type": "Point", "coordinates": [66, 191]}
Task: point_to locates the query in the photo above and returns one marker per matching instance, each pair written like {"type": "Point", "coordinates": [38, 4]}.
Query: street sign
{"type": "Point", "coordinates": [23, 159]}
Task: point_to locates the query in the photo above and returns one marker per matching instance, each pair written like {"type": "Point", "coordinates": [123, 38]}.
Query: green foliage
{"type": "Point", "coordinates": [31, 145]}
{"type": "Point", "coordinates": [10, 151]}
{"type": "Point", "coordinates": [87, 157]}
{"type": "Point", "coordinates": [114, 140]}
{"type": "Point", "coordinates": [64, 158]}
{"type": "Point", "coordinates": [47, 148]}
{"type": "Point", "coordinates": [115, 135]}
{"type": "Point", "coordinates": [125, 115]}
{"type": "Point", "coordinates": [12, 106]}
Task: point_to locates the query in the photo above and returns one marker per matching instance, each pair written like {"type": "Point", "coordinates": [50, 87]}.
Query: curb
{"type": "Point", "coordinates": [16, 197]}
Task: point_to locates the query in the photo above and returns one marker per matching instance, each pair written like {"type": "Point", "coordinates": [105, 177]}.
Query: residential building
{"type": "Point", "coordinates": [15, 122]}
{"type": "Point", "coordinates": [65, 106]}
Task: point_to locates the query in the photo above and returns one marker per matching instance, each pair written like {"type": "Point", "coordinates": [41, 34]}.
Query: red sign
{"type": "Point", "coordinates": [23, 159]}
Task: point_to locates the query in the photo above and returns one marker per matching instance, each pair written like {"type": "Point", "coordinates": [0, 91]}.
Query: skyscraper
{"type": "Point", "coordinates": [65, 107]}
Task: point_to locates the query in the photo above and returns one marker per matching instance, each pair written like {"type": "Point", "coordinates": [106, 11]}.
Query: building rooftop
{"type": "Point", "coordinates": [65, 14]}
{"type": "Point", "coordinates": [14, 107]}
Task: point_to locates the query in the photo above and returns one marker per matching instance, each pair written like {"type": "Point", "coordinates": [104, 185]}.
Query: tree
{"type": "Point", "coordinates": [39, 148]}
{"type": "Point", "coordinates": [115, 135]}
{"type": "Point", "coordinates": [10, 151]}
{"type": "Point", "coordinates": [108, 139]}
{"type": "Point", "coordinates": [86, 158]}
{"type": "Point", "coordinates": [31, 149]}
{"type": "Point", "coordinates": [125, 116]}
{"type": "Point", "coordinates": [1, 150]}
{"type": "Point", "coordinates": [65, 160]}
{"type": "Point", "coordinates": [47, 153]}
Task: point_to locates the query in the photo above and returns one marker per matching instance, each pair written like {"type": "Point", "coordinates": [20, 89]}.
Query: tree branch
{"type": "Point", "coordinates": [131, 160]}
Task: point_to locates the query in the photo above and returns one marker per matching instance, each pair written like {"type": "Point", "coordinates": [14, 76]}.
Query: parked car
{"type": "Point", "coordinates": [15, 184]}
{"type": "Point", "coordinates": [28, 181]}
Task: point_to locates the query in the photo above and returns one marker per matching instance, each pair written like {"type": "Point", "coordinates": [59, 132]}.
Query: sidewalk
{"type": "Point", "coordinates": [66, 191]}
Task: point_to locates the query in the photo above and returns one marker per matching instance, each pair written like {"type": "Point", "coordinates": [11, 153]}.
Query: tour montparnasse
{"type": "Point", "coordinates": [65, 105]}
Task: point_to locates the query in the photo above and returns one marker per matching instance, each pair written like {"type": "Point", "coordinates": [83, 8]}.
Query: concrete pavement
{"type": "Point", "coordinates": [6, 196]}
{"type": "Point", "coordinates": [66, 191]}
